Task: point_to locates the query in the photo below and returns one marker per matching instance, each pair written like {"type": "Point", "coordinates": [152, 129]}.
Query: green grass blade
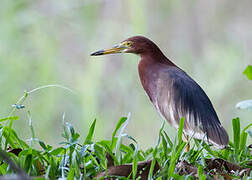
{"type": "Point", "coordinates": [70, 175]}
{"type": "Point", "coordinates": [180, 131]}
{"type": "Point", "coordinates": [174, 158]}
{"type": "Point", "coordinates": [9, 118]}
{"type": "Point", "coordinates": [236, 131]}
{"type": "Point", "coordinates": [134, 167]}
{"type": "Point", "coordinates": [150, 175]}
{"type": "Point", "coordinates": [168, 139]}
{"type": "Point", "coordinates": [243, 141]}
{"type": "Point", "coordinates": [164, 146]}
{"type": "Point", "coordinates": [90, 133]}
{"type": "Point", "coordinates": [201, 173]}
{"type": "Point", "coordinates": [119, 141]}
{"type": "Point", "coordinates": [246, 128]}
{"type": "Point", "coordinates": [118, 126]}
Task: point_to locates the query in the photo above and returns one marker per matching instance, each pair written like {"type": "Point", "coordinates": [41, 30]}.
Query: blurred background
{"type": "Point", "coordinates": [49, 42]}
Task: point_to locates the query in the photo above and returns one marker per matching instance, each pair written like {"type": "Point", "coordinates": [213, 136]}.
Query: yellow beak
{"type": "Point", "coordinates": [116, 49]}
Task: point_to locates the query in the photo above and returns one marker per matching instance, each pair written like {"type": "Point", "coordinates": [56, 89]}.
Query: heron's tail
{"type": "Point", "coordinates": [217, 136]}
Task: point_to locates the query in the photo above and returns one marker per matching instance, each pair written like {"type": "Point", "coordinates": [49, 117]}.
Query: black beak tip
{"type": "Point", "coordinates": [97, 53]}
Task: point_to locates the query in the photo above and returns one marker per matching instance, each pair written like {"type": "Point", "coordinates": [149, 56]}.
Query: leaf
{"type": "Point", "coordinates": [90, 133]}
{"type": "Point", "coordinates": [128, 149]}
{"type": "Point", "coordinates": [196, 155]}
{"type": "Point", "coordinates": [65, 134]}
{"type": "Point", "coordinates": [9, 118]}
{"type": "Point", "coordinates": [70, 128]}
{"type": "Point", "coordinates": [236, 130]}
{"type": "Point", "coordinates": [150, 175]}
{"type": "Point", "coordinates": [160, 132]}
{"type": "Point", "coordinates": [164, 145]}
{"type": "Point", "coordinates": [3, 168]}
{"type": "Point", "coordinates": [243, 141]}
{"type": "Point", "coordinates": [248, 72]}
{"type": "Point", "coordinates": [129, 137]}
{"type": "Point", "coordinates": [114, 139]}
{"type": "Point", "coordinates": [70, 174]}
{"type": "Point", "coordinates": [168, 139]}
{"type": "Point", "coordinates": [201, 173]}
{"type": "Point", "coordinates": [120, 135]}
{"type": "Point", "coordinates": [57, 151]}
{"type": "Point", "coordinates": [105, 145]}
{"type": "Point", "coordinates": [42, 144]}
{"type": "Point", "coordinates": [247, 104]}
{"type": "Point", "coordinates": [175, 158]}
{"type": "Point", "coordinates": [28, 162]}
{"type": "Point", "coordinates": [13, 139]}
{"type": "Point", "coordinates": [134, 167]}
{"type": "Point", "coordinates": [180, 130]}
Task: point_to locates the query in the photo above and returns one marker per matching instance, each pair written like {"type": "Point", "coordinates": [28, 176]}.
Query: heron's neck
{"type": "Point", "coordinates": [156, 57]}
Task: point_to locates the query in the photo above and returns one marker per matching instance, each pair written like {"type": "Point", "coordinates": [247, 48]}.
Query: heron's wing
{"type": "Point", "coordinates": [179, 96]}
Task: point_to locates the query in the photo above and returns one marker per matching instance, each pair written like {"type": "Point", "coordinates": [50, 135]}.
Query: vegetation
{"type": "Point", "coordinates": [84, 160]}
{"type": "Point", "coordinates": [76, 159]}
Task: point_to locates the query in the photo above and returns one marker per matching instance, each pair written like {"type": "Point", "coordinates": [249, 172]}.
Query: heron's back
{"type": "Point", "coordinates": [176, 95]}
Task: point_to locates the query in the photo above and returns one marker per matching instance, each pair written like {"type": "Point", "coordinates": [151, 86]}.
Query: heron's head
{"type": "Point", "coordinates": [135, 45]}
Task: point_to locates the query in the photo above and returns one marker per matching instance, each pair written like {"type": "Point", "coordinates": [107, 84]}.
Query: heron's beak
{"type": "Point", "coordinates": [116, 49]}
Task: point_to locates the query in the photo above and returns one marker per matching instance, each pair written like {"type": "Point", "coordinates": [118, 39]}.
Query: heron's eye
{"type": "Point", "coordinates": [127, 43]}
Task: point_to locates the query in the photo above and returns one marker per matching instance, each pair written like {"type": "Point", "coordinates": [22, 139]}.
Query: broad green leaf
{"type": "Point", "coordinates": [248, 72]}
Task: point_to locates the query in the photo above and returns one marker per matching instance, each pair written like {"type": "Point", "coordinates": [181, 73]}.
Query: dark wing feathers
{"type": "Point", "coordinates": [190, 101]}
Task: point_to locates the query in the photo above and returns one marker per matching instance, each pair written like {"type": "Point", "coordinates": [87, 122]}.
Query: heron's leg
{"type": "Point", "coordinates": [186, 139]}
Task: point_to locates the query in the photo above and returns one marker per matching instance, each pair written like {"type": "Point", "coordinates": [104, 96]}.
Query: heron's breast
{"type": "Point", "coordinates": [160, 95]}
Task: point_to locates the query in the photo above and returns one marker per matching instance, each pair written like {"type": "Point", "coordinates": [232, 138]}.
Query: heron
{"type": "Point", "coordinates": [173, 92]}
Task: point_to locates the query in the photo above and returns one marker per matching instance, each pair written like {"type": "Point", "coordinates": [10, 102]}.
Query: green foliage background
{"type": "Point", "coordinates": [49, 42]}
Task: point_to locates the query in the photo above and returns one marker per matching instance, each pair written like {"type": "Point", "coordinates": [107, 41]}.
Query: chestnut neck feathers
{"type": "Point", "coordinates": [148, 50]}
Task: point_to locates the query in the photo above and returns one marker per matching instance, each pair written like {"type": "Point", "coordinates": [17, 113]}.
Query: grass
{"type": "Point", "coordinates": [76, 159]}
{"type": "Point", "coordinates": [84, 160]}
